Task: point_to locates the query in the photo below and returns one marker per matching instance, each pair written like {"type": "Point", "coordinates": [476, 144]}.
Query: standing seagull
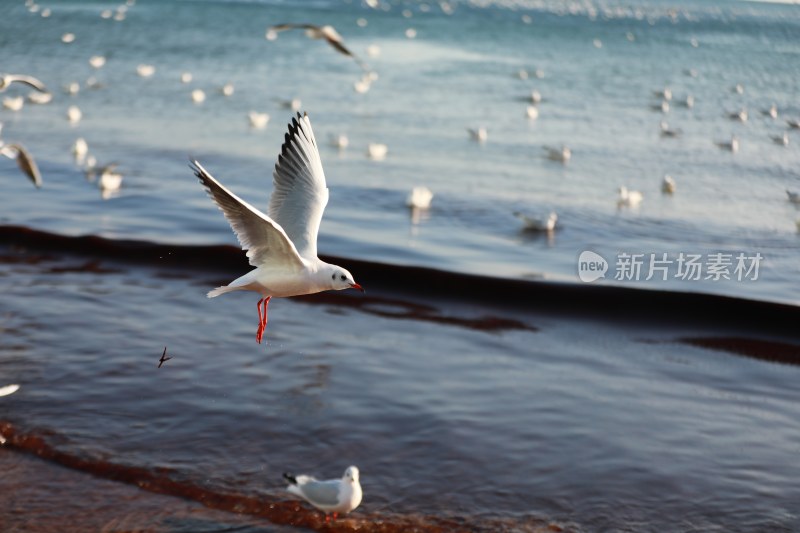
{"type": "Point", "coordinates": [282, 244]}
{"type": "Point", "coordinates": [8, 79]}
{"type": "Point", "coordinates": [313, 31]}
{"type": "Point", "coordinates": [331, 496]}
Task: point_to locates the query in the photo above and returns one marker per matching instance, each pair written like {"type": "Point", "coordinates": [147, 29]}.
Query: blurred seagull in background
{"type": "Point", "coordinates": [377, 151]}
{"type": "Point", "coordinates": [282, 245]}
{"type": "Point", "coordinates": [740, 115]}
{"type": "Point", "coordinates": [667, 132]}
{"type": "Point", "coordinates": [7, 79]}
{"type": "Point", "coordinates": [668, 185]}
{"type": "Point", "coordinates": [419, 198]}
{"type": "Point", "coordinates": [340, 141]}
{"type": "Point", "coordinates": [479, 134]}
{"type": "Point", "coordinates": [24, 160]}
{"type": "Point", "coordinates": [731, 146]}
{"type": "Point", "coordinates": [783, 140]}
{"type": "Point", "coordinates": [40, 98]}
{"type": "Point", "coordinates": [14, 103]}
{"type": "Point", "coordinates": [628, 198]}
{"type": "Point", "coordinates": [772, 112]}
{"type": "Point", "coordinates": [110, 181]}
{"type": "Point", "coordinates": [313, 31]}
{"type": "Point", "coordinates": [258, 120]}
{"type": "Point", "coordinates": [562, 155]}
{"type": "Point", "coordinates": [79, 149]}
{"type": "Point", "coordinates": [539, 224]}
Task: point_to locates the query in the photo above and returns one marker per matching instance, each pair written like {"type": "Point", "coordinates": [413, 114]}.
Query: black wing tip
{"type": "Point", "coordinates": [290, 478]}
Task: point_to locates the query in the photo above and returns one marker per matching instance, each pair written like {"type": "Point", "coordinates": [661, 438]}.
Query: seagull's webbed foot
{"type": "Point", "coordinates": [262, 317]}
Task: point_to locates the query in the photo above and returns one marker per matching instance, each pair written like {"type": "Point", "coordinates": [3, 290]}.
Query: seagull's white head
{"type": "Point", "coordinates": [339, 278]}
{"type": "Point", "coordinates": [351, 474]}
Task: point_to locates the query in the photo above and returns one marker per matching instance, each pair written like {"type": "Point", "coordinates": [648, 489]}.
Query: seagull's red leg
{"type": "Point", "coordinates": [262, 318]}
{"type": "Point", "coordinates": [260, 331]}
{"type": "Point", "coordinates": [327, 518]}
{"type": "Point", "coordinates": [335, 516]}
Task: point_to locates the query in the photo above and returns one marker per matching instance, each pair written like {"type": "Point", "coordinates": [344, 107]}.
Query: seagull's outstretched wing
{"type": "Point", "coordinates": [328, 33]}
{"type": "Point", "coordinates": [8, 79]}
{"type": "Point", "coordinates": [265, 241]}
{"type": "Point", "coordinates": [300, 195]}
{"type": "Point", "coordinates": [25, 161]}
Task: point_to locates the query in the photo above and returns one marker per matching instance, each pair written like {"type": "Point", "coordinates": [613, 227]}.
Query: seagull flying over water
{"type": "Point", "coordinates": [331, 496]}
{"type": "Point", "coordinates": [313, 31]}
{"type": "Point", "coordinates": [7, 79]}
{"type": "Point", "coordinates": [282, 244]}
{"type": "Point", "coordinates": [24, 161]}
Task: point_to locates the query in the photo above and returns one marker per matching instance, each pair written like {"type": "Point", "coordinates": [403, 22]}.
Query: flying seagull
{"type": "Point", "coordinates": [24, 161]}
{"type": "Point", "coordinates": [331, 496]}
{"type": "Point", "coordinates": [282, 244]}
{"type": "Point", "coordinates": [313, 31]}
{"type": "Point", "coordinates": [7, 79]}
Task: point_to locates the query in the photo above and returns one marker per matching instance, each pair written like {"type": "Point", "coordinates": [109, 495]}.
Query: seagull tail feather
{"type": "Point", "coordinates": [290, 478]}
{"type": "Point", "coordinates": [220, 290]}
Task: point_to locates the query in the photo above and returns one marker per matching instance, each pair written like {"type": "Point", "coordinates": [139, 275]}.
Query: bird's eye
{"type": "Point", "coordinates": [333, 277]}
{"type": "Point", "coordinates": [343, 277]}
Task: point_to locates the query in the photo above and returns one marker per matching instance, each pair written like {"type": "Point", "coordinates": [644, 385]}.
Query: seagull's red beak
{"type": "Point", "coordinates": [357, 286]}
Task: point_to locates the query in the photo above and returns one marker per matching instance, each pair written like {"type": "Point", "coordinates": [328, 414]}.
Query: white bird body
{"type": "Point", "coordinates": [97, 61]}
{"type": "Point", "coordinates": [783, 140]}
{"type": "Point", "coordinates": [8, 389]}
{"type": "Point", "coordinates": [74, 114]}
{"type": "Point", "coordinates": [546, 224]}
{"type": "Point", "coordinates": [419, 198]}
{"type": "Point", "coordinates": [532, 112]}
{"type": "Point", "coordinates": [258, 120]}
{"type": "Point", "coordinates": [40, 98]}
{"type": "Point", "coordinates": [629, 198]}
{"type": "Point", "coordinates": [198, 96]}
{"type": "Point", "coordinates": [331, 496]}
{"type": "Point", "coordinates": [186, 77]}
{"type": "Point", "coordinates": [377, 151]}
{"type": "Point", "coordinates": [79, 149]}
{"type": "Point", "coordinates": [772, 112]}
{"type": "Point", "coordinates": [14, 103]}
{"type": "Point", "coordinates": [110, 181]}
{"type": "Point", "coordinates": [731, 146]}
{"type": "Point", "coordinates": [340, 141]}
{"type": "Point", "coordinates": [562, 155]}
{"type": "Point", "coordinates": [227, 89]}
{"type": "Point", "coordinates": [668, 185]}
{"type": "Point", "coordinates": [145, 71]}
{"type": "Point", "coordinates": [536, 96]}
{"type": "Point", "coordinates": [479, 134]}
{"type": "Point", "coordinates": [72, 88]}
{"type": "Point", "coordinates": [282, 245]}
{"type": "Point", "coordinates": [740, 115]}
